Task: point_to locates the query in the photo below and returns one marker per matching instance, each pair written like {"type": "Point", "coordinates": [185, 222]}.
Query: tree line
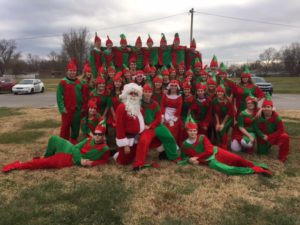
{"type": "Point", "coordinates": [76, 44]}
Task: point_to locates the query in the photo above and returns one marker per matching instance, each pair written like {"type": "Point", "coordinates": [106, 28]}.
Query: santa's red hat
{"type": "Point", "coordinates": [96, 39]}
{"type": "Point", "coordinates": [123, 39]}
{"type": "Point", "coordinates": [267, 101]}
{"type": "Point", "coordinates": [101, 127]}
{"type": "Point", "coordinates": [87, 67]}
{"type": "Point", "coordinates": [163, 39]}
{"type": "Point", "coordinates": [200, 86]}
{"type": "Point", "coordinates": [246, 72]}
{"type": "Point", "coordinates": [138, 73]}
{"type": "Point", "coordinates": [190, 123]}
{"type": "Point", "coordinates": [149, 40]}
{"type": "Point", "coordinates": [108, 41]}
{"type": "Point", "coordinates": [138, 41]}
{"type": "Point", "coordinates": [100, 80]}
{"type": "Point", "coordinates": [118, 76]}
{"type": "Point", "coordinates": [214, 62]}
{"type": "Point", "coordinates": [92, 104]}
{"type": "Point", "coordinates": [193, 43]}
{"type": "Point", "coordinates": [176, 38]}
{"type": "Point", "coordinates": [147, 87]}
{"type": "Point", "coordinates": [72, 65]}
{"type": "Point", "coordinates": [174, 82]}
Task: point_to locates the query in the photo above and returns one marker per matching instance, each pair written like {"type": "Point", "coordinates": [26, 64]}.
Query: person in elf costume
{"type": "Point", "coordinates": [189, 75]}
{"type": "Point", "coordinates": [192, 55]}
{"type": "Point", "coordinates": [178, 51]}
{"type": "Point", "coordinates": [150, 53]}
{"type": "Point", "coordinates": [197, 67]}
{"type": "Point", "coordinates": [181, 73]}
{"type": "Point", "coordinates": [198, 150]}
{"type": "Point", "coordinates": [96, 56]}
{"type": "Point", "coordinates": [158, 91]}
{"type": "Point", "coordinates": [138, 53]}
{"type": "Point", "coordinates": [202, 78]}
{"type": "Point", "coordinates": [139, 78]}
{"type": "Point", "coordinates": [111, 72]}
{"type": "Point", "coordinates": [223, 116]}
{"type": "Point", "coordinates": [70, 103]}
{"type": "Point", "coordinates": [122, 53]}
{"type": "Point", "coordinates": [88, 84]}
{"type": "Point", "coordinates": [166, 78]}
{"type": "Point", "coordinates": [270, 131]}
{"type": "Point", "coordinates": [222, 78]}
{"type": "Point", "coordinates": [171, 106]}
{"type": "Point", "coordinates": [243, 134]}
{"type": "Point", "coordinates": [214, 65]}
{"type": "Point", "coordinates": [245, 88]}
{"type": "Point", "coordinates": [129, 123]}
{"type": "Point", "coordinates": [60, 153]}
{"type": "Point", "coordinates": [101, 96]}
{"type": "Point", "coordinates": [212, 86]}
{"type": "Point", "coordinates": [108, 54]}
{"type": "Point", "coordinates": [126, 74]}
{"type": "Point", "coordinates": [201, 109]}
{"type": "Point", "coordinates": [155, 135]}
{"type": "Point", "coordinates": [91, 120]}
{"type": "Point", "coordinates": [164, 52]}
{"type": "Point", "coordinates": [172, 72]}
{"type": "Point", "coordinates": [132, 65]}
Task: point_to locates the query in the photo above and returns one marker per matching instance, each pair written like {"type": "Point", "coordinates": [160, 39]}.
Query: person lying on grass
{"type": "Point", "coordinates": [197, 149]}
{"type": "Point", "coordinates": [61, 153]}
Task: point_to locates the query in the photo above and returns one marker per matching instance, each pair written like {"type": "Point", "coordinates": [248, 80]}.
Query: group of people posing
{"type": "Point", "coordinates": [131, 99]}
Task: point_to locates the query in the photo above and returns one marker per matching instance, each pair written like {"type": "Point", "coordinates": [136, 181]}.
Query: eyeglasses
{"type": "Point", "coordinates": [99, 134]}
{"type": "Point", "coordinates": [133, 93]}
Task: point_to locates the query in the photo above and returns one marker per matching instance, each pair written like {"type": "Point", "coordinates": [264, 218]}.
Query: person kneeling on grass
{"type": "Point", "coordinates": [197, 149]}
{"type": "Point", "coordinates": [61, 153]}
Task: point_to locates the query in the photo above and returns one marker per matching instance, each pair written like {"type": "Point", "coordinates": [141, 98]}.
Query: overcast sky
{"type": "Point", "coordinates": [231, 40]}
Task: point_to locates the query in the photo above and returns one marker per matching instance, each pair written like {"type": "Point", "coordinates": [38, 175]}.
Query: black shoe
{"type": "Point", "coordinates": [137, 169]}
{"type": "Point", "coordinates": [113, 152]}
{"type": "Point", "coordinates": [162, 156]}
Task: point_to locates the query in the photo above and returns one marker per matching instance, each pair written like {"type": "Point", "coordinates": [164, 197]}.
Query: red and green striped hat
{"type": "Point", "coordinates": [268, 100]}
{"type": "Point", "coordinates": [163, 39]}
{"type": "Point", "coordinates": [246, 72]}
{"type": "Point", "coordinates": [101, 127]}
{"type": "Point", "coordinates": [108, 41]}
{"type": "Point", "coordinates": [158, 79]}
{"type": "Point", "coordinates": [123, 39]}
{"type": "Point", "coordinates": [96, 39]}
{"type": "Point", "coordinates": [149, 40]}
{"type": "Point", "coordinates": [214, 62]}
{"type": "Point", "coordinates": [190, 123]}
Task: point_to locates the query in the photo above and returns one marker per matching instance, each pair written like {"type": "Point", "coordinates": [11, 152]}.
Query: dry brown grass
{"type": "Point", "coordinates": [170, 194]}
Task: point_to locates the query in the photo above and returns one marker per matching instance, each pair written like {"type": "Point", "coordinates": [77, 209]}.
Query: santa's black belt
{"type": "Point", "coordinates": [131, 135]}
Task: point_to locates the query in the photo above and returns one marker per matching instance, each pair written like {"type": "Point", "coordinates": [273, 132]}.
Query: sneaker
{"type": "Point", "coordinates": [162, 156]}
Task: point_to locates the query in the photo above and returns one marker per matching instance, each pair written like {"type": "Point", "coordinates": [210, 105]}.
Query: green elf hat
{"type": "Point", "coordinates": [165, 71]}
{"type": "Point", "coordinates": [147, 69]}
{"type": "Point", "coordinates": [190, 123]}
{"type": "Point", "coordinates": [125, 69]}
{"type": "Point", "coordinates": [149, 40]}
{"type": "Point", "coordinates": [189, 73]}
{"type": "Point", "coordinates": [172, 68]}
{"type": "Point", "coordinates": [246, 72]}
{"type": "Point", "coordinates": [221, 87]}
{"type": "Point", "coordinates": [163, 40]}
{"type": "Point", "coordinates": [101, 127]}
{"type": "Point", "coordinates": [268, 100]}
{"type": "Point", "coordinates": [118, 76]}
{"type": "Point", "coordinates": [212, 80]}
{"type": "Point", "coordinates": [147, 87]}
{"type": "Point", "coordinates": [176, 38]}
{"type": "Point", "coordinates": [102, 70]}
{"type": "Point", "coordinates": [123, 40]}
{"type": "Point", "coordinates": [214, 62]}
{"type": "Point", "coordinates": [222, 69]}
{"type": "Point", "coordinates": [100, 79]}
{"type": "Point", "coordinates": [251, 98]}
{"type": "Point", "coordinates": [204, 71]}
{"type": "Point", "coordinates": [111, 68]}
{"type": "Point", "coordinates": [158, 79]}
{"type": "Point", "coordinates": [198, 63]}
{"type": "Point", "coordinates": [96, 39]}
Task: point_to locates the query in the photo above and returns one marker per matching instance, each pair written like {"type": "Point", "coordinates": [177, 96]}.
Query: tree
{"type": "Point", "coordinates": [33, 62]}
{"type": "Point", "coordinates": [7, 51]}
{"type": "Point", "coordinates": [267, 58]}
{"type": "Point", "coordinates": [76, 45]}
{"type": "Point", "coordinates": [291, 58]}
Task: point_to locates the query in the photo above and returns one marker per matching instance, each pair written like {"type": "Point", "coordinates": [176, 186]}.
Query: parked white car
{"type": "Point", "coordinates": [28, 86]}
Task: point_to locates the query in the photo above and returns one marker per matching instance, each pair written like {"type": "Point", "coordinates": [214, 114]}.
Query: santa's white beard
{"type": "Point", "coordinates": [132, 105]}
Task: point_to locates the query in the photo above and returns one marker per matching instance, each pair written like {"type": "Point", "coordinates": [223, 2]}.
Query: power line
{"type": "Point", "coordinates": [248, 20]}
{"type": "Point", "coordinates": [104, 28]}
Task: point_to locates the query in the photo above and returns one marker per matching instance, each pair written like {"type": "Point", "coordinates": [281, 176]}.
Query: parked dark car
{"type": "Point", "coordinates": [6, 84]}
{"type": "Point", "coordinates": [263, 84]}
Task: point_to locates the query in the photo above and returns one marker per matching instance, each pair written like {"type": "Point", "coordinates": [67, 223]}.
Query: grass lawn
{"type": "Point", "coordinates": [113, 194]}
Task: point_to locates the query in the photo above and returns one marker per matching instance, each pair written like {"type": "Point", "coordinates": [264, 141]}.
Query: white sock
{"type": "Point", "coordinates": [235, 146]}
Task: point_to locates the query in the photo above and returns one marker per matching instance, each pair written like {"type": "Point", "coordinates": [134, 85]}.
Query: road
{"type": "Point", "coordinates": [48, 99]}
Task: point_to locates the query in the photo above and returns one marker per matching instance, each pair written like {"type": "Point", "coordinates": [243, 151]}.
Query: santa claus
{"type": "Point", "coordinates": [129, 123]}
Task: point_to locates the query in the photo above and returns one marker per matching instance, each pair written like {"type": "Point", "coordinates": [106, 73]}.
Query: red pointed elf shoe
{"type": "Point", "coordinates": [11, 166]}
{"type": "Point", "coordinates": [258, 169]}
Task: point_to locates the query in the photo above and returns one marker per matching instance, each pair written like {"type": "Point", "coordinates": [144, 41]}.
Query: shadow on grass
{"type": "Point", "coordinates": [5, 112]}
{"type": "Point", "coordinates": [94, 202]}
{"type": "Point", "coordinates": [20, 137]}
{"type": "Point", "coordinates": [49, 123]}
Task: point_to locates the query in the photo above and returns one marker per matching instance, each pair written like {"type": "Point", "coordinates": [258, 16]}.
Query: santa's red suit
{"type": "Point", "coordinates": [128, 128]}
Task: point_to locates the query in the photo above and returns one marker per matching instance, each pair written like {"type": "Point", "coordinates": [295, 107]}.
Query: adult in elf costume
{"type": "Point", "coordinates": [181, 73]}
{"type": "Point", "coordinates": [158, 91]}
{"type": "Point", "coordinates": [197, 149]}
{"type": "Point", "coordinates": [88, 84]}
{"type": "Point", "coordinates": [139, 78]}
{"type": "Point", "coordinates": [192, 55]}
{"type": "Point", "coordinates": [178, 51]}
{"type": "Point", "coordinates": [96, 56]}
{"type": "Point", "coordinates": [138, 53]}
{"type": "Point", "coordinates": [108, 54]}
{"type": "Point", "coordinates": [70, 103]}
{"type": "Point", "coordinates": [172, 72]}
{"type": "Point", "coordinates": [188, 99]}
{"type": "Point", "coordinates": [197, 67]}
{"type": "Point", "coordinates": [171, 106]}
{"type": "Point", "coordinates": [61, 153]}
{"type": "Point", "coordinates": [223, 116]}
{"type": "Point", "coordinates": [243, 134]}
{"type": "Point", "coordinates": [212, 86]}
{"type": "Point", "coordinates": [270, 131]}
{"type": "Point", "coordinates": [201, 109]}
{"type": "Point", "coordinates": [129, 123]}
{"type": "Point", "coordinates": [202, 78]}
{"type": "Point", "coordinates": [222, 78]}
{"type": "Point", "coordinates": [245, 88]}
{"type": "Point", "coordinates": [214, 65]}
{"type": "Point", "coordinates": [166, 78]}
{"type": "Point", "coordinates": [91, 120]}
{"type": "Point", "coordinates": [101, 96]}
{"type": "Point", "coordinates": [150, 53]}
{"type": "Point", "coordinates": [121, 53]}
{"type": "Point", "coordinates": [154, 131]}
{"type": "Point", "coordinates": [164, 52]}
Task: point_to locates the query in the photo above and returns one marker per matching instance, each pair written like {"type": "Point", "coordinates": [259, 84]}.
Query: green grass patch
{"type": "Point", "coordinates": [292, 128]}
{"type": "Point", "coordinates": [51, 84]}
{"type": "Point", "coordinates": [285, 84]}
{"type": "Point", "coordinates": [5, 112]}
{"type": "Point", "coordinates": [49, 123]}
{"type": "Point", "coordinates": [20, 137]}
{"type": "Point", "coordinates": [90, 202]}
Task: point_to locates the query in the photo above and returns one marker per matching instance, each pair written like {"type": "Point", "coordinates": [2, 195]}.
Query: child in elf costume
{"type": "Point", "coordinates": [197, 149]}
{"type": "Point", "coordinates": [61, 153]}
{"type": "Point", "coordinates": [270, 130]}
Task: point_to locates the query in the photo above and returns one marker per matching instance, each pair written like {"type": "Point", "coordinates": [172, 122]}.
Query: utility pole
{"type": "Point", "coordinates": [192, 18]}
